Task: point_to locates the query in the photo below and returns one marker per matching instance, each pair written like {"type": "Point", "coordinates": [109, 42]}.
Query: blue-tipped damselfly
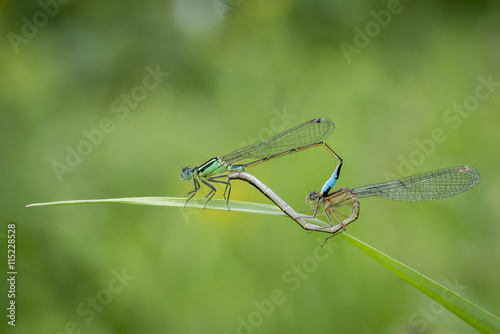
{"type": "Point", "coordinates": [427, 186]}
{"type": "Point", "coordinates": [303, 136]}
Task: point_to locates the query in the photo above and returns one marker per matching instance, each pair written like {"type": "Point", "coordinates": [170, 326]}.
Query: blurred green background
{"type": "Point", "coordinates": [76, 77]}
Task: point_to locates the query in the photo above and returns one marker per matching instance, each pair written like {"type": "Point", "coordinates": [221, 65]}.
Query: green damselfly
{"type": "Point", "coordinates": [303, 136]}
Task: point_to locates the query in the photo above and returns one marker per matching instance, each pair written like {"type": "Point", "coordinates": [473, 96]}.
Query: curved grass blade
{"type": "Point", "coordinates": [199, 203]}
{"type": "Point", "coordinates": [475, 316]}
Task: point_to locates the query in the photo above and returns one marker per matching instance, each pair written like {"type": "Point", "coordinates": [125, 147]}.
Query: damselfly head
{"type": "Point", "coordinates": [187, 173]}
{"type": "Point", "coordinates": [312, 198]}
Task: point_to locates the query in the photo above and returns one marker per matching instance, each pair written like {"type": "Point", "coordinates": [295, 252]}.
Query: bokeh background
{"type": "Point", "coordinates": [76, 77]}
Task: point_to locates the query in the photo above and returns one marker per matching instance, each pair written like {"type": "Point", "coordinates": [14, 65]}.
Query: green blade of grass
{"type": "Point", "coordinates": [199, 203]}
{"type": "Point", "coordinates": [472, 314]}
{"type": "Point", "coordinates": [475, 316]}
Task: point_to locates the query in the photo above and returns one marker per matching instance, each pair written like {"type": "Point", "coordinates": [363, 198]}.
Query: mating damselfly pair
{"type": "Point", "coordinates": [427, 186]}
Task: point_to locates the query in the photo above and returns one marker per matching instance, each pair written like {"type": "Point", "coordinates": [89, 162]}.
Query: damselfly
{"type": "Point", "coordinates": [427, 186]}
{"type": "Point", "coordinates": [303, 136]}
